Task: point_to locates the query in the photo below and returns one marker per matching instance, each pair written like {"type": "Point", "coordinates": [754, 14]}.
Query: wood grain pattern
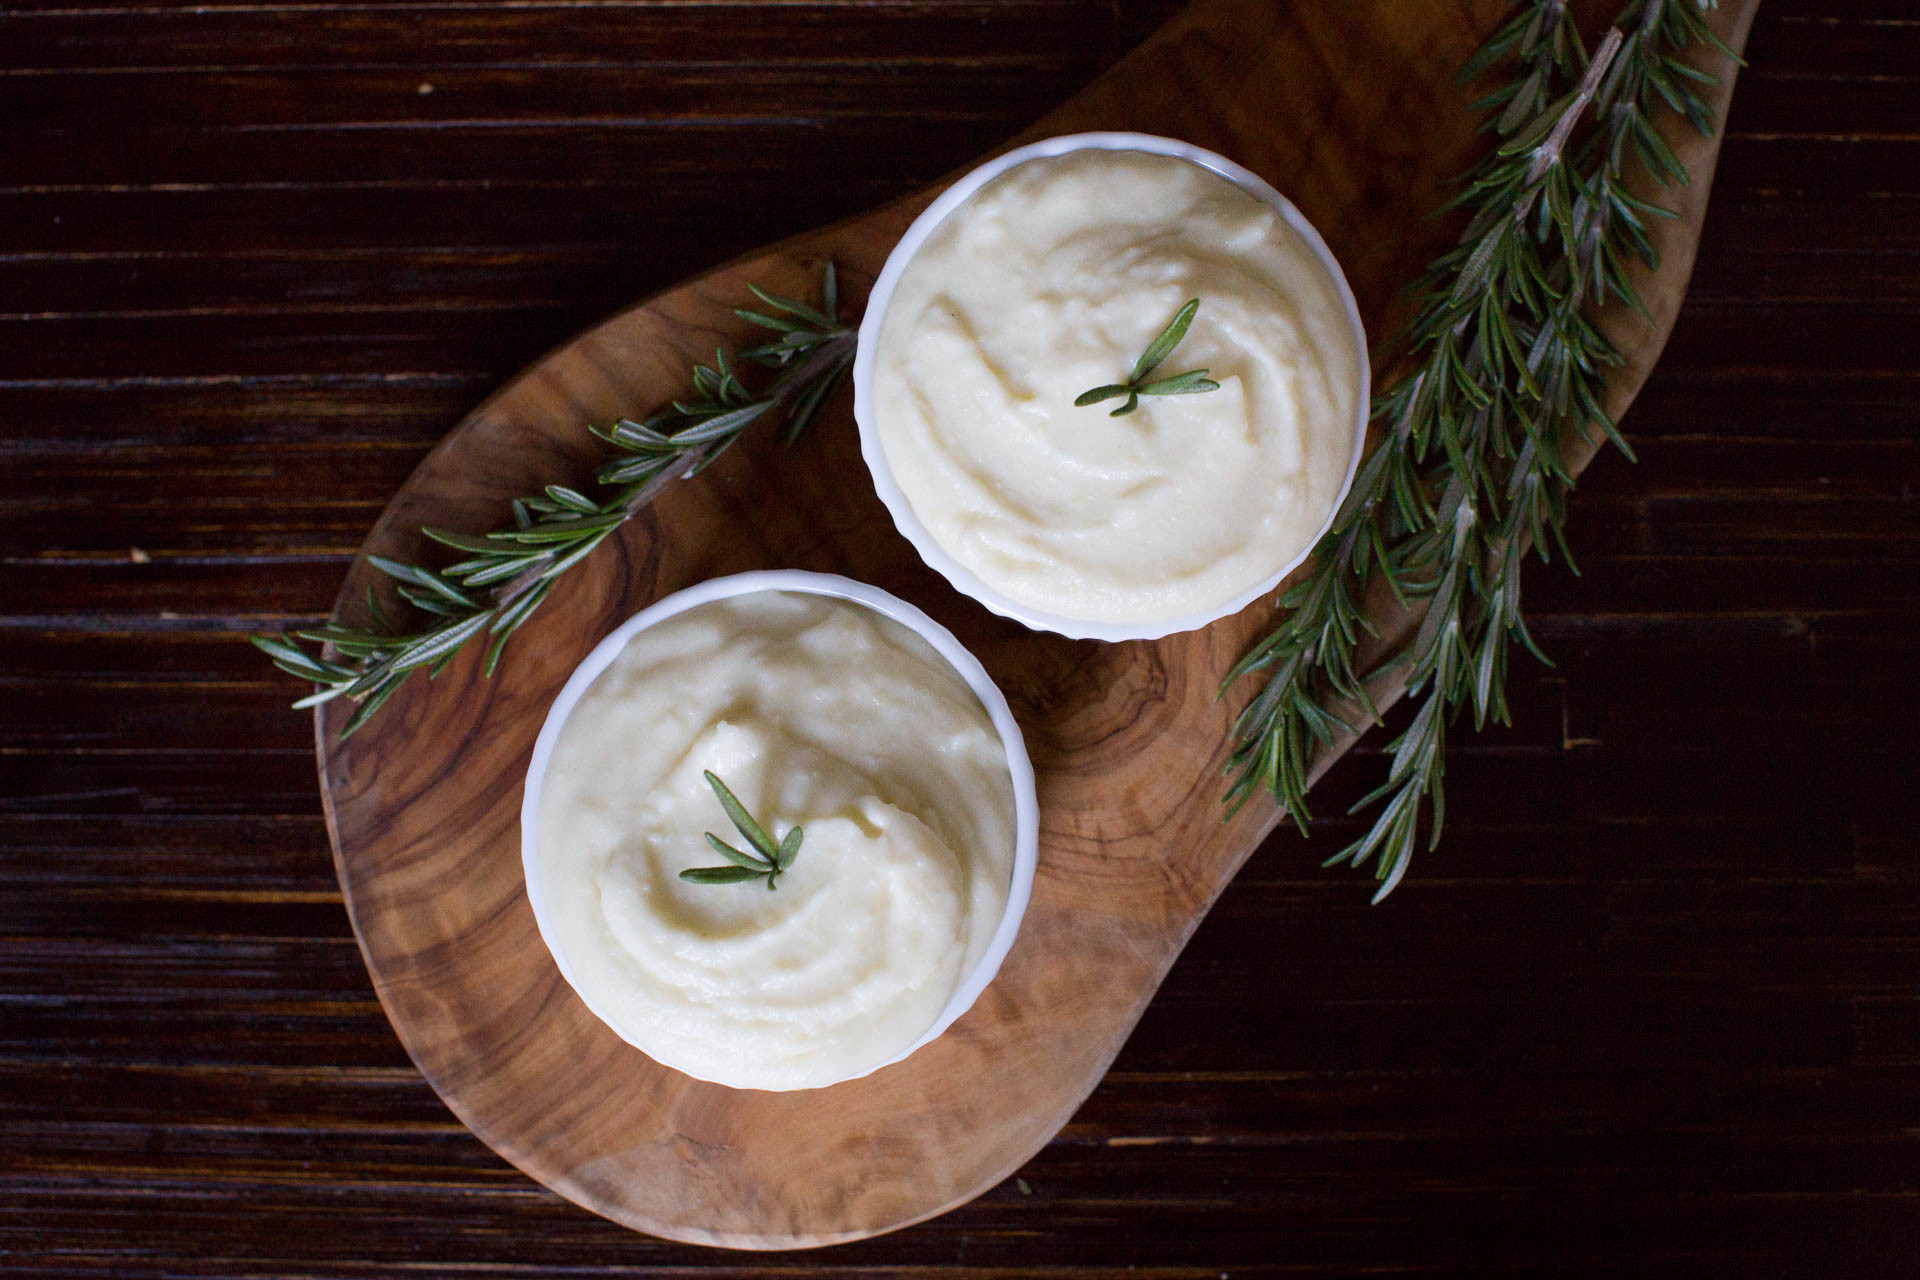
{"type": "Point", "coordinates": [1352, 110]}
{"type": "Point", "coordinates": [1650, 1009]}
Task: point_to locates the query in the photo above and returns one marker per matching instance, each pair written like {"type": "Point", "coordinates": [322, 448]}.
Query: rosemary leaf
{"type": "Point", "coordinates": [1162, 347]}
{"type": "Point", "coordinates": [790, 847]}
{"type": "Point", "coordinates": [1098, 394]}
{"type": "Point", "coordinates": [743, 822]}
{"type": "Point", "coordinates": [739, 857]}
{"type": "Point", "coordinates": [1193, 382]}
{"type": "Point", "coordinates": [720, 875]}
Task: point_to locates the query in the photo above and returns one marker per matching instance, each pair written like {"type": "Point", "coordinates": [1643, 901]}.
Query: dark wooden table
{"type": "Point", "coordinates": [1653, 1007]}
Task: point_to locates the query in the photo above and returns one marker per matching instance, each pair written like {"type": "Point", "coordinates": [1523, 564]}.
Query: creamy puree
{"type": "Point", "coordinates": [1051, 280]}
{"type": "Point", "coordinates": [815, 712]}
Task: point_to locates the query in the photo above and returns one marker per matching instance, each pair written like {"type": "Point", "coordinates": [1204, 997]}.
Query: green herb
{"type": "Point", "coordinates": [1190, 383]}
{"type": "Point", "coordinates": [507, 573]}
{"type": "Point", "coordinates": [1507, 368]}
{"type": "Point", "coordinates": [768, 859]}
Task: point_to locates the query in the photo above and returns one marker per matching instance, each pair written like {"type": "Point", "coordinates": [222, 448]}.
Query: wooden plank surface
{"type": "Point", "coordinates": [1655, 1003]}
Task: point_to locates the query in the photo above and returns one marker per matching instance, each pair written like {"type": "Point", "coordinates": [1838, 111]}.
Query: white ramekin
{"type": "Point", "coordinates": [896, 502]}
{"type": "Point", "coordinates": [1026, 808]}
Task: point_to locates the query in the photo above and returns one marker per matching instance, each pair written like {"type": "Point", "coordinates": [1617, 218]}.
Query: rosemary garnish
{"type": "Point", "coordinates": [767, 861]}
{"type": "Point", "coordinates": [1507, 370]}
{"type": "Point", "coordinates": [1190, 383]}
{"type": "Point", "coordinates": [507, 573]}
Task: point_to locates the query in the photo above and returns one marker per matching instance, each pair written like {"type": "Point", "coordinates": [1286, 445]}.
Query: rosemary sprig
{"type": "Point", "coordinates": [1190, 383]}
{"type": "Point", "coordinates": [769, 857]}
{"type": "Point", "coordinates": [1507, 369]}
{"type": "Point", "coordinates": [507, 573]}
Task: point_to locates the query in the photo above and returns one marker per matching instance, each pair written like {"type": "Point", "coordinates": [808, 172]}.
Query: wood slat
{"type": "Point", "coordinates": [547, 34]}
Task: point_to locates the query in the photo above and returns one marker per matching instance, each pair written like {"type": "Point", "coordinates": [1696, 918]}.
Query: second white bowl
{"type": "Point", "coordinates": [1026, 815]}
{"type": "Point", "coordinates": [897, 504]}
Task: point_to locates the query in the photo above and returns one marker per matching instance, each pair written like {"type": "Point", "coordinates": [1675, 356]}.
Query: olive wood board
{"type": "Point", "coordinates": [1349, 107]}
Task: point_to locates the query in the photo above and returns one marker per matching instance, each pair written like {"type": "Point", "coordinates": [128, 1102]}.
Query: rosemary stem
{"type": "Point", "coordinates": [1551, 150]}
{"type": "Point", "coordinates": [1508, 360]}
{"type": "Point", "coordinates": [824, 357]}
{"type": "Point", "coordinates": [509, 571]}
{"type": "Point", "coordinates": [827, 355]}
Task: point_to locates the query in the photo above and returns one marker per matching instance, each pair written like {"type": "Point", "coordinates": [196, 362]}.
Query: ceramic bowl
{"type": "Point", "coordinates": [1026, 809]}
{"type": "Point", "coordinates": [936, 556]}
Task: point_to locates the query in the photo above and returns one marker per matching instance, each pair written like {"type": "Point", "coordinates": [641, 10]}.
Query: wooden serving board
{"type": "Point", "coordinates": [1350, 108]}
